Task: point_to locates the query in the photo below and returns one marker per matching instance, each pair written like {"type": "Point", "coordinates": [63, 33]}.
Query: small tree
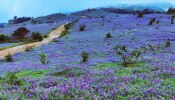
{"type": "Point", "coordinates": [123, 53]}
{"type": "Point", "coordinates": [43, 58]}
{"type": "Point", "coordinates": [168, 43]}
{"type": "Point", "coordinates": [37, 36]}
{"type": "Point", "coordinates": [84, 56]}
{"type": "Point", "coordinates": [4, 38]}
{"type": "Point", "coordinates": [21, 32]}
{"type": "Point", "coordinates": [128, 57]}
{"type": "Point", "coordinates": [82, 27]}
{"type": "Point", "coordinates": [108, 35]}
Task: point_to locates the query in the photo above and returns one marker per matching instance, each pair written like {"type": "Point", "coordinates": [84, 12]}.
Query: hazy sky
{"type": "Point", "coordinates": [34, 8]}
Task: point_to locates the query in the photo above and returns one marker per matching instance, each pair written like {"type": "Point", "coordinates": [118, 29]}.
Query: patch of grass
{"type": "Point", "coordinates": [106, 65]}
{"type": "Point", "coordinates": [32, 74]}
{"type": "Point", "coordinates": [139, 82]}
{"type": "Point", "coordinates": [134, 68]}
{"type": "Point", "coordinates": [116, 64]}
{"type": "Point", "coordinates": [68, 72]}
{"type": "Point", "coordinates": [135, 86]}
{"type": "Point", "coordinates": [126, 71]}
{"type": "Point", "coordinates": [123, 72]}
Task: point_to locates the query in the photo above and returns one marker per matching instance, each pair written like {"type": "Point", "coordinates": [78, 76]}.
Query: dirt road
{"type": "Point", "coordinates": [22, 48]}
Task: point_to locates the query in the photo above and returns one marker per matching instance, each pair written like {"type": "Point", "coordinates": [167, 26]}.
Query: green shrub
{"type": "Point", "coordinates": [84, 56]}
{"type": "Point", "coordinates": [4, 38]}
{"type": "Point", "coordinates": [168, 43]}
{"type": "Point", "coordinates": [37, 36]}
{"type": "Point", "coordinates": [43, 58]}
{"type": "Point", "coordinates": [8, 58]}
{"type": "Point", "coordinates": [45, 36]}
{"type": "Point", "coordinates": [64, 33]}
{"type": "Point", "coordinates": [108, 35]}
{"type": "Point", "coordinates": [68, 26]}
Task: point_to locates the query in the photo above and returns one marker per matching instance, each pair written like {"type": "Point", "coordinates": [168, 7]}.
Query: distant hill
{"type": "Point", "coordinates": [2, 23]}
{"type": "Point", "coordinates": [125, 9]}
{"type": "Point", "coordinates": [53, 18]}
{"type": "Point", "coordinates": [92, 13]}
{"type": "Point", "coordinates": [99, 12]}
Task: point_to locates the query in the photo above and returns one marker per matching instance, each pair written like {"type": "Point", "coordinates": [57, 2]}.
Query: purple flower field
{"type": "Point", "coordinates": [102, 77]}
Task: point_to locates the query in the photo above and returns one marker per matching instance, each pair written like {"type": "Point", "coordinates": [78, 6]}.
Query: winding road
{"type": "Point", "coordinates": [22, 48]}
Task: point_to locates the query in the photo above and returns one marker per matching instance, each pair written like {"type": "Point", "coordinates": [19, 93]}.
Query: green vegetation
{"type": "Point", "coordinates": [106, 65]}
{"type": "Point", "coordinates": [108, 35]}
{"type": "Point", "coordinates": [168, 43]}
{"type": "Point", "coordinates": [32, 74]}
{"type": "Point", "coordinates": [64, 33]}
{"type": "Point", "coordinates": [43, 58]}
{"type": "Point", "coordinates": [37, 36]}
{"type": "Point", "coordinates": [4, 38]}
{"type": "Point", "coordinates": [134, 68]}
{"type": "Point", "coordinates": [82, 27]}
{"type": "Point", "coordinates": [84, 56]}
{"type": "Point", "coordinates": [45, 35]}
{"type": "Point", "coordinates": [12, 79]}
{"type": "Point", "coordinates": [20, 33]}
